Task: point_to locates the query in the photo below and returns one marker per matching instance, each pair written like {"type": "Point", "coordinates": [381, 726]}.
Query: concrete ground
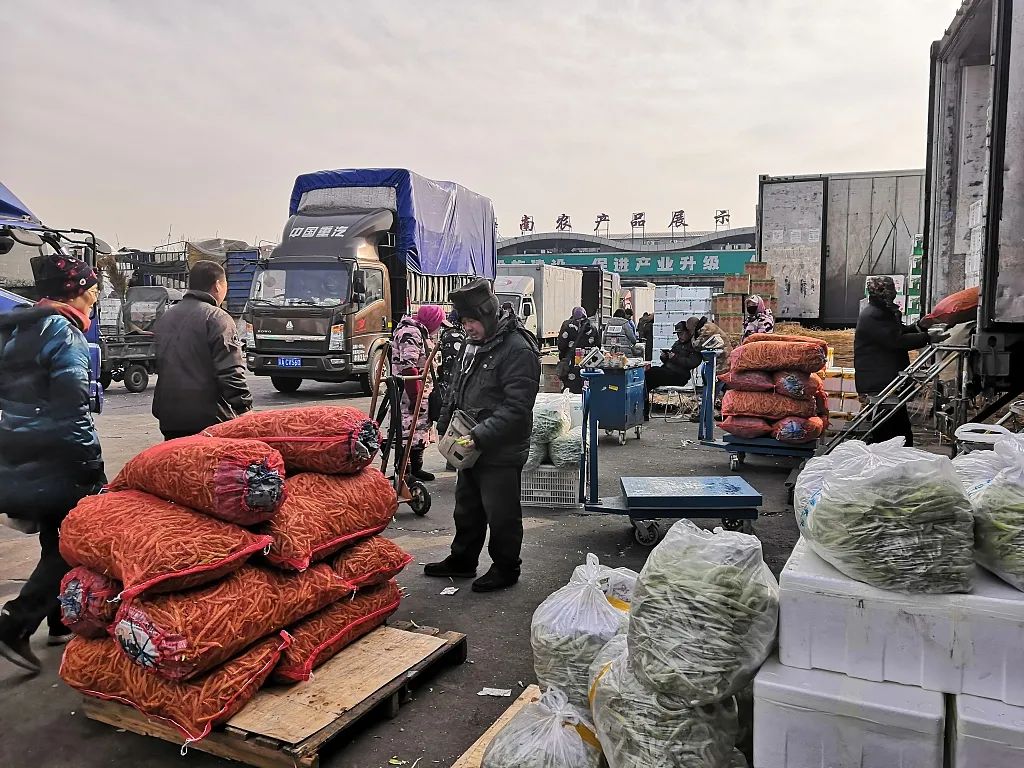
{"type": "Point", "coordinates": [42, 722]}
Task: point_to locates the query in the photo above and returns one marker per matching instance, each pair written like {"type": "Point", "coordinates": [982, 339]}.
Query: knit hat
{"type": "Point", "coordinates": [430, 316]}
{"type": "Point", "coordinates": [578, 313]}
{"type": "Point", "coordinates": [62, 277]}
{"type": "Point", "coordinates": [453, 318]}
{"type": "Point", "coordinates": [877, 286]}
{"type": "Point", "coordinates": [476, 301]}
{"type": "Point", "coordinates": [691, 325]}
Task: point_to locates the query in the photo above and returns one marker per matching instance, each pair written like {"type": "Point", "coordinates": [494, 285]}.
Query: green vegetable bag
{"type": "Point", "coordinates": [893, 517]}
{"type": "Point", "coordinates": [994, 482]}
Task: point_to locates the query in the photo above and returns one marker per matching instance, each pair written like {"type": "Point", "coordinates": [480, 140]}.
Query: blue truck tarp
{"type": "Point", "coordinates": [443, 228]}
{"type": "Point", "coordinates": [13, 212]}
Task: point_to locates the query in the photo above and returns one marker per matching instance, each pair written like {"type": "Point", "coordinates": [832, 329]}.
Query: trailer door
{"type": "Point", "coordinates": [792, 219]}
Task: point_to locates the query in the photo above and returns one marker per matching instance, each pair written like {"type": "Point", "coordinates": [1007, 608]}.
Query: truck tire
{"type": "Point", "coordinates": [284, 384]}
{"type": "Point", "coordinates": [370, 378]}
{"type": "Point", "coordinates": [136, 378]}
{"type": "Point", "coordinates": [106, 377]}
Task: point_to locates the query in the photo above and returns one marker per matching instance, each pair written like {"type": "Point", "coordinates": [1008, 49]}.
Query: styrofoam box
{"type": "Point", "coordinates": [986, 734]}
{"type": "Point", "coordinates": [681, 292]}
{"type": "Point", "coordinates": [807, 718]}
{"type": "Point", "coordinates": [951, 643]}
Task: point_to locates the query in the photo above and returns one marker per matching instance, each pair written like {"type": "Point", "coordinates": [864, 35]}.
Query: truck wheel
{"type": "Point", "coordinates": [136, 378]}
{"type": "Point", "coordinates": [106, 377]}
{"type": "Point", "coordinates": [369, 381]}
{"type": "Point", "coordinates": [285, 384]}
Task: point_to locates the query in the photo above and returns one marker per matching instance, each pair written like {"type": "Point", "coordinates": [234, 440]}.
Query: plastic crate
{"type": "Point", "coordinates": [549, 486]}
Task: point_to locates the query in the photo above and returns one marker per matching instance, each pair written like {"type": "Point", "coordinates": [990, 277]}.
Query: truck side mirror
{"type": "Point", "coordinates": [527, 309]}
{"type": "Point", "coordinates": [359, 281]}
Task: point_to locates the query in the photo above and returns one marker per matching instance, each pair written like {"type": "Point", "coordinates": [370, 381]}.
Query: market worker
{"type": "Point", "coordinates": [645, 332]}
{"type": "Point", "coordinates": [577, 332]}
{"type": "Point", "coordinates": [678, 363]}
{"type": "Point", "coordinates": [881, 349]}
{"type": "Point", "coordinates": [201, 376]}
{"type": "Point", "coordinates": [49, 452]}
{"type": "Point", "coordinates": [758, 317]}
{"type": "Point", "coordinates": [495, 385]}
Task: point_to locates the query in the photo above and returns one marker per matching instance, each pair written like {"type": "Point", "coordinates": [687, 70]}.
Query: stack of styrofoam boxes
{"type": "Point", "coordinates": [914, 308]}
{"type": "Point", "coordinates": [862, 672]}
{"type": "Point", "coordinates": [674, 304]}
{"type": "Point", "coordinates": [976, 227]}
{"type": "Point", "coordinates": [843, 403]}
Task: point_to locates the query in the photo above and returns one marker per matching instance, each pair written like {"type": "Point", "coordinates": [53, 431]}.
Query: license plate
{"type": "Point", "coordinates": [289, 362]}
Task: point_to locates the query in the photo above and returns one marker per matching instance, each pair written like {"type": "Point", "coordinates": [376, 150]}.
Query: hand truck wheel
{"type": "Point", "coordinates": [646, 532]}
{"type": "Point", "coordinates": [419, 500]}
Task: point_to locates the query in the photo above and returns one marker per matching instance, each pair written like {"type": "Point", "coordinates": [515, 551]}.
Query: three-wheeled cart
{"type": "Point", "coordinates": [645, 500]}
{"type": "Point", "coordinates": [739, 447]}
{"type": "Point", "coordinates": [617, 400]}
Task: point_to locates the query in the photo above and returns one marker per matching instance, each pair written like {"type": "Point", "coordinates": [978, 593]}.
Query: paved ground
{"type": "Point", "coordinates": [42, 723]}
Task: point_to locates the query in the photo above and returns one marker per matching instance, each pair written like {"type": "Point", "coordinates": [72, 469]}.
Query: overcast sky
{"type": "Point", "coordinates": [135, 117]}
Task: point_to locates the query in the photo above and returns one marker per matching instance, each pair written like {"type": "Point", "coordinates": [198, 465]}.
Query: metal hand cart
{"type": "Point", "coordinates": [617, 400]}
{"type": "Point", "coordinates": [739, 447]}
{"type": "Point", "coordinates": [645, 500]}
{"type": "Point", "coordinates": [409, 490]}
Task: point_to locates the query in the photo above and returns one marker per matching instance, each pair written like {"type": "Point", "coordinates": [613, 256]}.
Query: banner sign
{"type": "Point", "coordinates": [680, 263]}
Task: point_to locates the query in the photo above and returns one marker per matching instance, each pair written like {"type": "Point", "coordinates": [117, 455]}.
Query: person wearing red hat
{"type": "Point", "coordinates": [50, 454]}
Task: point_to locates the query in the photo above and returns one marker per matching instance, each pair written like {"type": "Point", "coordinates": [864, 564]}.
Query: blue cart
{"type": "Point", "coordinates": [739, 447]}
{"type": "Point", "coordinates": [645, 500]}
{"type": "Point", "coordinates": [617, 399]}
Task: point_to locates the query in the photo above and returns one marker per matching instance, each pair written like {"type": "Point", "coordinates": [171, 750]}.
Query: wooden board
{"type": "Point", "coordinates": [285, 727]}
{"type": "Point", "coordinates": [473, 756]}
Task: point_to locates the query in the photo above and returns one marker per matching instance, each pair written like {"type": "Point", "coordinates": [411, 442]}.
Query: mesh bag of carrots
{"type": "Point", "coordinates": [370, 562]}
{"type": "Point", "coordinates": [794, 429]}
{"type": "Point", "coordinates": [766, 405]}
{"type": "Point", "coordinates": [86, 602]}
{"type": "Point", "coordinates": [182, 635]}
{"type": "Point", "coordinates": [748, 381]}
{"type": "Point", "coordinates": [239, 481]}
{"type": "Point", "coordinates": [149, 544]}
{"type": "Point", "coordinates": [323, 439]}
{"type": "Point", "coordinates": [768, 352]}
{"type": "Point", "coordinates": [323, 513]}
{"type": "Point", "coordinates": [746, 426]}
{"type": "Point", "coordinates": [98, 668]}
{"type": "Point", "coordinates": [319, 637]}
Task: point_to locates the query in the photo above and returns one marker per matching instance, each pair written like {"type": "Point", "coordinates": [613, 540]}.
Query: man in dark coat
{"type": "Point", "coordinates": [577, 332]}
{"type": "Point", "coordinates": [49, 452]}
{"type": "Point", "coordinates": [881, 349]}
{"type": "Point", "coordinates": [201, 375]}
{"type": "Point", "coordinates": [645, 331]}
{"type": "Point", "coordinates": [496, 385]}
{"type": "Point", "coordinates": [678, 363]}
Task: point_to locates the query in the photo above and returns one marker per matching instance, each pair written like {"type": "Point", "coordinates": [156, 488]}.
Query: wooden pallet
{"type": "Point", "coordinates": [473, 756]}
{"type": "Point", "coordinates": [286, 726]}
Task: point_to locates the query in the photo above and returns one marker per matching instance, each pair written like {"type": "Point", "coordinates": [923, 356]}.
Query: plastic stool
{"type": "Point", "coordinates": [669, 391]}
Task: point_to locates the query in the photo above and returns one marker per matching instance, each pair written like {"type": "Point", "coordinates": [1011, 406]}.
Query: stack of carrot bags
{"type": "Point", "coordinates": [215, 563]}
{"type": "Point", "coordinates": [774, 389]}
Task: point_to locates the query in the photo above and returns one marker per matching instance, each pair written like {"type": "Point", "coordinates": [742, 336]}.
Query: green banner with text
{"type": "Point", "coordinates": [672, 263]}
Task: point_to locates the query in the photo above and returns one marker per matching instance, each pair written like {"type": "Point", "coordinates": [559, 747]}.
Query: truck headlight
{"type": "Point", "coordinates": [337, 338]}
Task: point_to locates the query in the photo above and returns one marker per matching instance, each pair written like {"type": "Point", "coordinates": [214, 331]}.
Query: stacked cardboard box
{"type": "Point", "coordinates": [728, 307]}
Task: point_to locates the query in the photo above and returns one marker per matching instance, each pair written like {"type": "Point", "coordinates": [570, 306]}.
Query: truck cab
{"type": "Point", "coordinates": [519, 293]}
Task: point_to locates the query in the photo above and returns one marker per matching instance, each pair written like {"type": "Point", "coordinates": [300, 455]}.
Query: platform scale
{"type": "Point", "coordinates": [645, 500]}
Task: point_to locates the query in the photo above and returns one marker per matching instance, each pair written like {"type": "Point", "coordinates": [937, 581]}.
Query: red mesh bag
{"type": "Point", "coordinates": [793, 429]}
{"type": "Point", "coordinates": [802, 386]}
{"type": "Point", "coordinates": [748, 381]}
{"type": "Point", "coordinates": [370, 562]}
{"type": "Point", "coordinates": [958, 307]}
{"type": "Point", "coordinates": [319, 438]}
{"type": "Point", "coordinates": [778, 356]}
{"type": "Point", "coordinates": [149, 544]}
{"type": "Point", "coordinates": [746, 426]}
{"type": "Point", "coordinates": [786, 337]}
{"type": "Point", "coordinates": [322, 635]}
{"type": "Point", "coordinates": [97, 668]}
{"type": "Point", "coordinates": [86, 602]}
{"type": "Point", "coordinates": [767, 405]}
{"type": "Point", "coordinates": [240, 481]}
{"type": "Point", "coordinates": [323, 513]}
{"type": "Point", "coordinates": [182, 635]}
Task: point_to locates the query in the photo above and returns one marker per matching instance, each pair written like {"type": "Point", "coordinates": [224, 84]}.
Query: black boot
{"type": "Point", "coordinates": [449, 568]}
{"type": "Point", "coordinates": [495, 579]}
{"type": "Point", "coordinates": [14, 645]}
{"type": "Point", "coordinates": [416, 466]}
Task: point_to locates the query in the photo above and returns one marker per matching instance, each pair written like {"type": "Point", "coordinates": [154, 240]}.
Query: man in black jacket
{"type": "Point", "coordinates": [496, 385]}
{"type": "Point", "coordinates": [678, 363]}
{"type": "Point", "coordinates": [201, 376]}
{"type": "Point", "coordinates": [881, 349]}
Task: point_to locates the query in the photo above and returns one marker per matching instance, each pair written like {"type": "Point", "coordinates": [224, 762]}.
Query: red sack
{"type": "Point", "coordinates": [149, 544]}
{"type": "Point", "coordinates": [786, 337]}
{"type": "Point", "coordinates": [746, 426]}
{"type": "Point", "coordinates": [802, 386]}
{"type": "Point", "coordinates": [98, 669]}
{"type": "Point", "coordinates": [959, 307]}
{"type": "Point", "coordinates": [318, 438]}
{"type": "Point", "coordinates": [793, 429]}
{"type": "Point", "coordinates": [766, 405]}
{"type": "Point", "coordinates": [323, 513]}
{"type": "Point", "coordinates": [748, 381]}
{"type": "Point", "coordinates": [322, 635]}
{"type": "Point", "coordinates": [86, 606]}
{"type": "Point", "coordinates": [185, 634]}
{"type": "Point", "coordinates": [370, 562]}
{"type": "Point", "coordinates": [778, 356]}
{"type": "Point", "coordinates": [240, 481]}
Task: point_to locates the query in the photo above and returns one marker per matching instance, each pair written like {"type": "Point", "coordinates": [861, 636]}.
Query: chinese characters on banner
{"type": "Point", "coordinates": [679, 263]}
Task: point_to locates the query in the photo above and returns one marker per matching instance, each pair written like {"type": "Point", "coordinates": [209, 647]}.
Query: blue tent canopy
{"type": "Point", "coordinates": [443, 228]}
{"type": "Point", "coordinates": [14, 213]}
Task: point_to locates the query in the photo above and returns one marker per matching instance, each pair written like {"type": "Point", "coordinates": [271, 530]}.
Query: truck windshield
{"type": "Point", "coordinates": [302, 285]}
{"type": "Point", "coordinates": [510, 298]}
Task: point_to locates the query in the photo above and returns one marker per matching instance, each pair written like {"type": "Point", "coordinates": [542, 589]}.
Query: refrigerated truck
{"type": "Point", "coordinates": [542, 295]}
{"type": "Point", "coordinates": [361, 248]}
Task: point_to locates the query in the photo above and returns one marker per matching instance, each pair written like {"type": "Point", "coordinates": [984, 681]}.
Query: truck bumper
{"type": "Point", "coordinates": [331, 367]}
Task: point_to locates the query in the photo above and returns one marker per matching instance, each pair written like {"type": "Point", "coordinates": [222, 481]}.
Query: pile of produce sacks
{"type": "Point", "coordinates": [893, 517]}
{"type": "Point", "coordinates": [555, 439]}
{"type": "Point", "coordinates": [774, 389]}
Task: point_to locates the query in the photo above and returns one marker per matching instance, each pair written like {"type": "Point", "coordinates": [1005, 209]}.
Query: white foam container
{"type": "Point", "coordinates": [986, 734]}
{"type": "Point", "coordinates": [808, 718]}
{"type": "Point", "coordinates": [971, 644]}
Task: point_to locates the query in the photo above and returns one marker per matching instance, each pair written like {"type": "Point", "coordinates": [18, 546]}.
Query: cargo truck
{"type": "Point", "coordinates": [638, 295]}
{"type": "Point", "coordinates": [361, 248]}
{"type": "Point", "coordinates": [542, 295]}
{"type": "Point", "coordinates": [601, 292]}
